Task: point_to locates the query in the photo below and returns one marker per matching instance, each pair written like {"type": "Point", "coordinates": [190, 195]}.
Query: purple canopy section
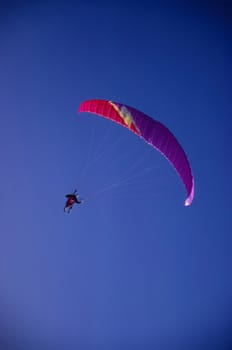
{"type": "Point", "coordinates": [161, 138]}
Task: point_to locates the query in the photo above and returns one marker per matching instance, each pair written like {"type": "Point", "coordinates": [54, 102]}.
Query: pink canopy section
{"type": "Point", "coordinates": [152, 131]}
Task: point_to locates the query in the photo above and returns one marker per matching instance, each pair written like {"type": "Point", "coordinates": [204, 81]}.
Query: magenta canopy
{"type": "Point", "coordinates": [152, 131]}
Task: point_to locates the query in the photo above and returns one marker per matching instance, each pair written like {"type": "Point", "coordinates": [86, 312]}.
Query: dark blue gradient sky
{"type": "Point", "coordinates": [132, 268]}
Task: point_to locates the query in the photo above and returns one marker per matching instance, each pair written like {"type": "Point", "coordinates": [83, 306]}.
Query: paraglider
{"type": "Point", "coordinates": [152, 131]}
{"type": "Point", "coordinates": [72, 198]}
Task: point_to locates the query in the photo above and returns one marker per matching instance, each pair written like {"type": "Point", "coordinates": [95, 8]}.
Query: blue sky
{"type": "Point", "coordinates": [131, 268]}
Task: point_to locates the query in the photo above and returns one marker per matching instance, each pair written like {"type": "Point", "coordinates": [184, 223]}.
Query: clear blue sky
{"type": "Point", "coordinates": [131, 268]}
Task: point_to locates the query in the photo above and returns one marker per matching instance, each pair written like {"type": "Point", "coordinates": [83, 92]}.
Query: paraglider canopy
{"type": "Point", "coordinates": [152, 131]}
